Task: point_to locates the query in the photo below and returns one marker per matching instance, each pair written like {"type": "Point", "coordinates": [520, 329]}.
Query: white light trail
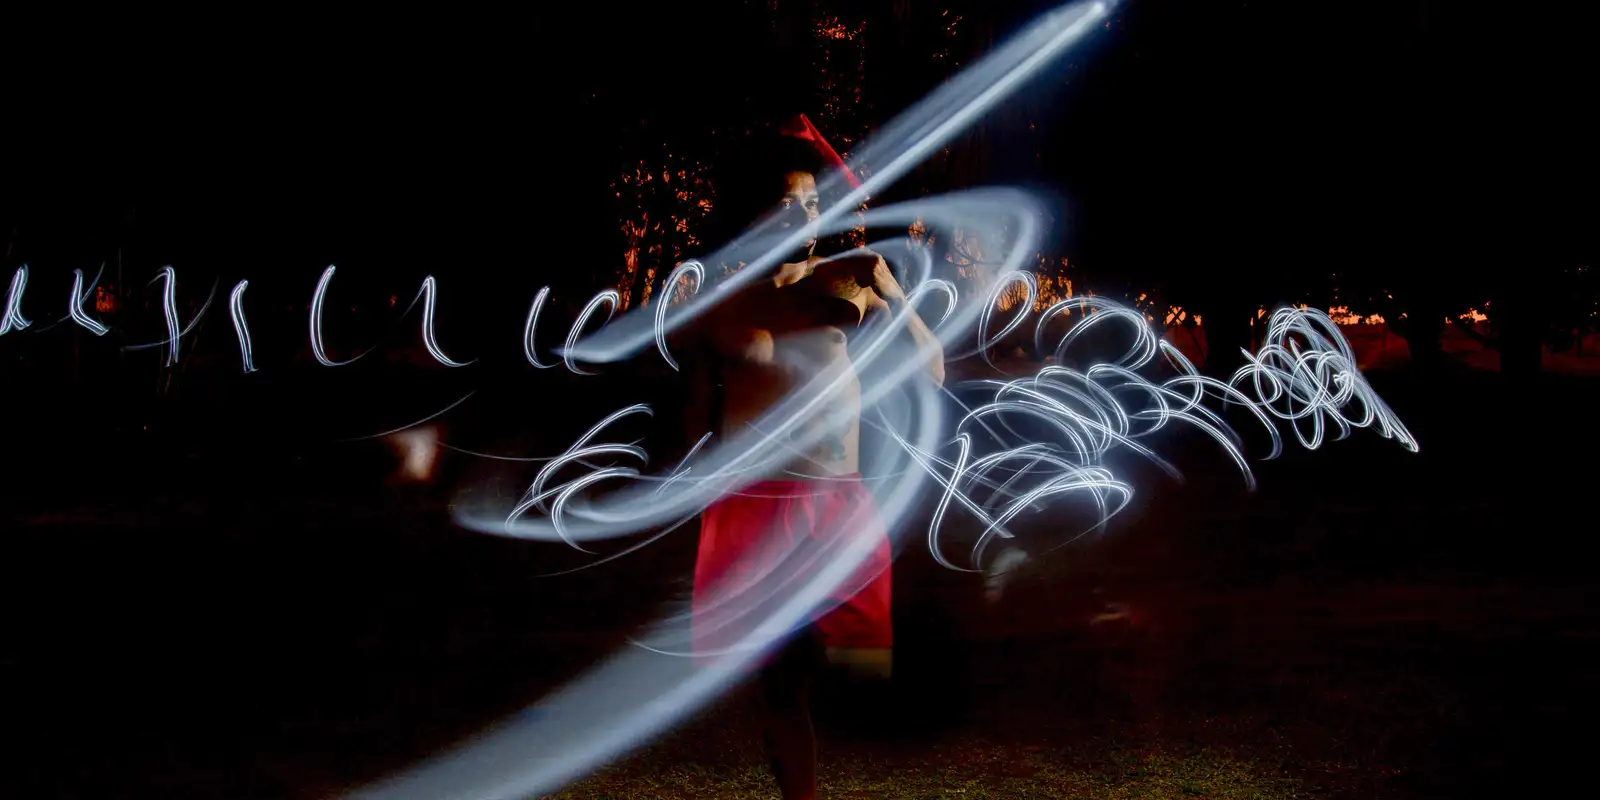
{"type": "Point", "coordinates": [428, 290]}
{"type": "Point", "coordinates": [531, 327]}
{"type": "Point", "coordinates": [241, 328]}
{"type": "Point", "coordinates": [317, 298]}
{"type": "Point", "coordinates": [169, 312]}
{"type": "Point", "coordinates": [13, 320]}
{"type": "Point", "coordinates": [75, 305]}
{"type": "Point", "coordinates": [696, 274]}
{"type": "Point", "coordinates": [610, 299]}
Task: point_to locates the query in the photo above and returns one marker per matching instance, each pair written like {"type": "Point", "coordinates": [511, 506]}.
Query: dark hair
{"type": "Point", "coordinates": [750, 180]}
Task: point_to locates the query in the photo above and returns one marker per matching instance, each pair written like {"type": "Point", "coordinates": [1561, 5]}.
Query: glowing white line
{"type": "Point", "coordinates": [697, 274]}
{"type": "Point", "coordinates": [684, 465]}
{"type": "Point", "coordinates": [611, 299]}
{"type": "Point", "coordinates": [429, 288]}
{"type": "Point", "coordinates": [240, 327]}
{"type": "Point", "coordinates": [948, 289]}
{"type": "Point", "coordinates": [13, 319]}
{"type": "Point", "coordinates": [435, 415]}
{"type": "Point", "coordinates": [169, 310]}
{"type": "Point", "coordinates": [169, 307]}
{"type": "Point", "coordinates": [75, 305]}
{"type": "Point", "coordinates": [532, 326]}
{"type": "Point", "coordinates": [1002, 284]}
{"type": "Point", "coordinates": [317, 296]}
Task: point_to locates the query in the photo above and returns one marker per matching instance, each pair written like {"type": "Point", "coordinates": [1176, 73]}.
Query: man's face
{"type": "Point", "coordinates": [800, 204]}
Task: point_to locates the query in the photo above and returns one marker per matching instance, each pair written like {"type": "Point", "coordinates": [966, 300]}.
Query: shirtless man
{"type": "Point", "coordinates": [758, 349]}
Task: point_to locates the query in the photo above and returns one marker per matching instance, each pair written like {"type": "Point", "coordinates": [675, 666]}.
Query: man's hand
{"type": "Point", "coordinates": [888, 296]}
{"type": "Point", "coordinates": [884, 284]}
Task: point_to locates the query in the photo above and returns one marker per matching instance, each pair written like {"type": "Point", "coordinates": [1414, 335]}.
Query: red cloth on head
{"type": "Point", "coordinates": [800, 127]}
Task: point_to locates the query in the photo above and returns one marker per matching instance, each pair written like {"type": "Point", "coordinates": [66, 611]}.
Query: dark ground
{"type": "Point", "coordinates": [1372, 623]}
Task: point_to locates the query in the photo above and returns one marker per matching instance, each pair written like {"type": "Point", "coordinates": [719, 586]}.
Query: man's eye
{"type": "Point", "coordinates": [787, 204]}
{"type": "Point", "coordinates": [812, 205]}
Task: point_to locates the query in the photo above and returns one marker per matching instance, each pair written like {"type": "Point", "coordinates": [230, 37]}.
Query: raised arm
{"type": "Point", "coordinates": [891, 298]}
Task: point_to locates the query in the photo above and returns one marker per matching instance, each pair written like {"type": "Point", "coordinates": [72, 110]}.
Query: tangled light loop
{"type": "Point", "coordinates": [1055, 432]}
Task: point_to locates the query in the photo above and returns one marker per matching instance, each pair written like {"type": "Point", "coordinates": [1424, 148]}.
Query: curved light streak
{"type": "Point", "coordinates": [530, 328]}
{"type": "Point", "coordinates": [241, 328]}
{"type": "Point", "coordinates": [428, 290]}
{"type": "Point", "coordinates": [317, 299]}
{"type": "Point", "coordinates": [75, 304]}
{"type": "Point", "coordinates": [169, 312]}
{"type": "Point", "coordinates": [408, 426]}
{"type": "Point", "coordinates": [13, 320]}
{"type": "Point", "coordinates": [696, 272]}
{"type": "Point", "coordinates": [611, 299]}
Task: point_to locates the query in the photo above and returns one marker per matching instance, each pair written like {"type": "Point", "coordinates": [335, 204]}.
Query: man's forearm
{"type": "Point", "coordinates": [928, 346]}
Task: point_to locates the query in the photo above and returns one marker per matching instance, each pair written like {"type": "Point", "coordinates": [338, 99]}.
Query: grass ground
{"type": "Point", "coordinates": [972, 770]}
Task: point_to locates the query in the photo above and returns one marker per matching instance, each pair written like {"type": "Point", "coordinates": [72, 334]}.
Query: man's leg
{"type": "Point", "coordinates": [790, 739]}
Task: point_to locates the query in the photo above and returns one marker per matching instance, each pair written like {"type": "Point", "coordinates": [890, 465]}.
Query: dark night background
{"type": "Point", "coordinates": [209, 593]}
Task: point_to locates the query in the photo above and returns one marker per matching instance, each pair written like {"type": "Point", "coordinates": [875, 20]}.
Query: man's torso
{"type": "Point", "coordinates": [813, 364]}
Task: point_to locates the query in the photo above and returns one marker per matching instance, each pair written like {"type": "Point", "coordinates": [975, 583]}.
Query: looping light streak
{"type": "Point", "coordinates": [1002, 284]}
{"type": "Point", "coordinates": [948, 289]}
{"type": "Point", "coordinates": [1303, 374]}
{"type": "Point", "coordinates": [580, 449]}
